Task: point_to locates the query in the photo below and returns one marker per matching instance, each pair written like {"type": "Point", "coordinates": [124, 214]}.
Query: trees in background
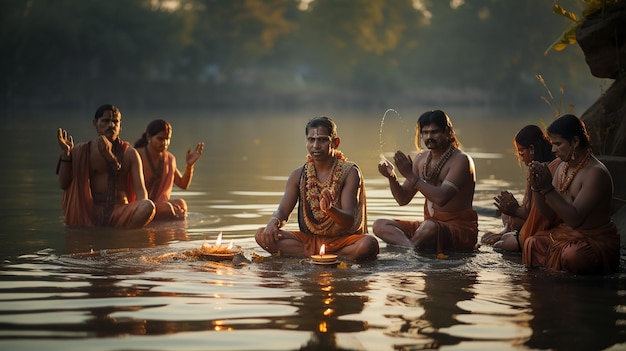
{"type": "Point", "coordinates": [213, 52]}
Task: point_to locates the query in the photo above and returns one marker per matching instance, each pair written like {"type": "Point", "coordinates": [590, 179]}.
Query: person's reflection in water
{"type": "Point", "coordinates": [330, 294]}
{"type": "Point", "coordinates": [564, 318]}
{"type": "Point", "coordinates": [439, 298]}
{"type": "Point", "coordinates": [84, 242]}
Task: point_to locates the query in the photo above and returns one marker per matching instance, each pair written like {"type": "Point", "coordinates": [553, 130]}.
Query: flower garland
{"type": "Point", "coordinates": [314, 187]}
{"type": "Point", "coordinates": [442, 160]}
{"type": "Point", "coordinates": [563, 184]}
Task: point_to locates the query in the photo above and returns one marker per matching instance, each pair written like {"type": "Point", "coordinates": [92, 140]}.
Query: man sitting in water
{"type": "Point", "coordinates": [331, 196]}
{"type": "Point", "coordinates": [580, 193]}
{"type": "Point", "coordinates": [102, 179]}
{"type": "Point", "coordinates": [445, 176]}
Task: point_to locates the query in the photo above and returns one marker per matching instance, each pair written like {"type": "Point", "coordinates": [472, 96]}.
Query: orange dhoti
{"type": "Point", "coordinates": [582, 251]}
{"type": "Point", "coordinates": [458, 231]}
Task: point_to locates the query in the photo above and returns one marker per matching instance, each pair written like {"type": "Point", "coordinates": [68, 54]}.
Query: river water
{"type": "Point", "coordinates": [104, 289]}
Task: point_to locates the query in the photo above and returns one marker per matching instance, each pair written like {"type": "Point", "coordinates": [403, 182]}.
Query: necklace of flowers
{"type": "Point", "coordinates": [314, 187]}
{"type": "Point", "coordinates": [442, 160]}
{"type": "Point", "coordinates": [564, 184]}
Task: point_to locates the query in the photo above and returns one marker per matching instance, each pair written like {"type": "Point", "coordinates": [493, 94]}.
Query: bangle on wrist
{"type": "Point", "coordinates": [546, 192]}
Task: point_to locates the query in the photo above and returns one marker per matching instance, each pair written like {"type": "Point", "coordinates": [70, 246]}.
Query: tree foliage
{"type": "Point", "coordinates": [200, 51]}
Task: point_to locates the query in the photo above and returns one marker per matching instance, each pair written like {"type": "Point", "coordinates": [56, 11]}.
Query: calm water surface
{"type": "Point", "coordinates": [103, 289]}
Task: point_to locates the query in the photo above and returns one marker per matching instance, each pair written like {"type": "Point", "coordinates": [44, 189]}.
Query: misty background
{"type": "Point", "coordinates": [288, 54]}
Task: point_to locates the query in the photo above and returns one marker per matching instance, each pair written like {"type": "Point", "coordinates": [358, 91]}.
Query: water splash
{"type": "Point", "coordinates": [380, 133]}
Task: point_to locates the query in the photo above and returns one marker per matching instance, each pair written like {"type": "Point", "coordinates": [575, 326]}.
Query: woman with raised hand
{"type": "Point", "coordinates": [160, 171]}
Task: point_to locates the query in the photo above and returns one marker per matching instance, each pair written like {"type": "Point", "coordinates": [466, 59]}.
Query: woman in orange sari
{"type": "Point", "coordinates": [160, 172]}
{"type": "Point", "coordinates": [579, 193]}
{"type": "Point", "coordinates": [521, 221]}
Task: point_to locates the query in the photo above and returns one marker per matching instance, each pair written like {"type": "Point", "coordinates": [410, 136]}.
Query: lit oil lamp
{"type": "Point", "coordinates": [219, 251]}
{"type": "Point", "coordinates": [323, 257]}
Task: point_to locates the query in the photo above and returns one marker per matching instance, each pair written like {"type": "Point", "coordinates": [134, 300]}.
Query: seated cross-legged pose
{"type": "Point", "coordinates": [580, 194]}
{"type": "Point", "coordinates": [330, 194]}
{"type": "Point", "coordinates": [445, 176]}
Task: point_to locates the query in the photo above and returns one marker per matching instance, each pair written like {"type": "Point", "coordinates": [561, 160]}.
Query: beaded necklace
{"type": "Point", "coordinates": [563, 183]}
{"type": "Point", "coordinates": [442, 160]}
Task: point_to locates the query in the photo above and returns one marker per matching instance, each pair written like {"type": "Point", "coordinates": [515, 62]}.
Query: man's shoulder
{"type": "Point", "coordinates": [296, 172]}
{"type": "Point", "coordinates": [461, 155]}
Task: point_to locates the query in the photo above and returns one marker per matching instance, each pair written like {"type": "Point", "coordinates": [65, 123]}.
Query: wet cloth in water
{"type": "Point", "coordinates": [458, 231]}
{"type": "Point", "coordinates": [578, 251]}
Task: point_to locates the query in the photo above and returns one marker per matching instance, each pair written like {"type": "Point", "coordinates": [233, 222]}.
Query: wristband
{"type": "Point", "coordinates": [69, 160]}
{"type": "Point", "coordinates": [544, 193]}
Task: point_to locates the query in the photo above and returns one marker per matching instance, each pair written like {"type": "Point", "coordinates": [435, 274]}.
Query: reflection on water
{"type": "Point", "coordinates": [105, 289]}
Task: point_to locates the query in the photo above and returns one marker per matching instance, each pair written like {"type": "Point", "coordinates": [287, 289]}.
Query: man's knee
{"type": "Point", "coordinates": [426, 234]}
{"type": "Point", "coordinates": [370, 247]}
{"type": "Point", "coordinates": [378, 227]}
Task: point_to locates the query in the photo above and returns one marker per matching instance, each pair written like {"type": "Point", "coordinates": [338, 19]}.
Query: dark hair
{"type": "Point", "coordinates": [569, 126]}
{"type": "Point", "coordinates": [322, 121]}
{"type": "Point", "coordinates": [155, 127]}
{"type": "Point", "coordinates": [441, 120]}
{"type": "Point", "coordinates": [106, 107]}
{"type": "Point", "coordinates": [533, 135]}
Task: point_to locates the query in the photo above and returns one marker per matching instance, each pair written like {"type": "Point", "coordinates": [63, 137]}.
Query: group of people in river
{"type": "Point", "coordinates": [563, 223]}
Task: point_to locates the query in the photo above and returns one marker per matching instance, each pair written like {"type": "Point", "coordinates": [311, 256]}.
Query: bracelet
{"type": "Point", "coordinates": [62, 160]}
{"type": "Point", "coordinates": [544, 193]}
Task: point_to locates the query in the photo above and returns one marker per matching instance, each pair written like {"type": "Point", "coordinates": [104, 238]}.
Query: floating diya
{"type": "Point", "coordinates": [219, 252]}
{"type": "Point", "coordinates": [323, 257]}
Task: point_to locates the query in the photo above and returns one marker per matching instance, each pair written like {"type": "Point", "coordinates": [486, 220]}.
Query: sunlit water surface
{"type": "Point", "coordinates": [104, 289]}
